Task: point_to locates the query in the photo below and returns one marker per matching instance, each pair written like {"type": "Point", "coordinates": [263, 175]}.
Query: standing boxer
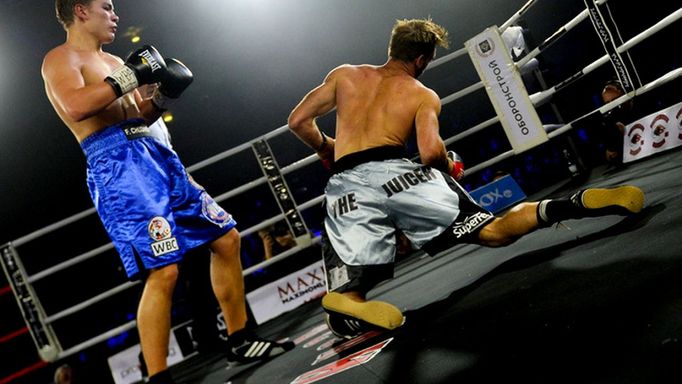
{"type": "Point", "coordinates": [149, 206]}
{"type": "Point", "coordinates": [375, 191]}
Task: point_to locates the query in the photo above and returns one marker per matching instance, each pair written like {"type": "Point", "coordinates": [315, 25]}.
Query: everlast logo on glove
{"type": "Point", "coordinates": [150, 60]}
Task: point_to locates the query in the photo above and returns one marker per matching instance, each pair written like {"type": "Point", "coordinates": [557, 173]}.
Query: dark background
{"type": "Point", "coordinates": [253, 61]}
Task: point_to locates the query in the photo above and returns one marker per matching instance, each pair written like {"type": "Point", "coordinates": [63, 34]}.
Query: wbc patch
{"type": "Point", "coordinates": [214, 212]}
{"type": "Point", "coordinates": [159, 230]}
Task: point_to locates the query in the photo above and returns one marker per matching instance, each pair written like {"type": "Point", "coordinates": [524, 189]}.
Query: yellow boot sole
{"type": "Point", "coordinates": [628, 197]}
{"type": "Point", "coordinates": [378, 313]}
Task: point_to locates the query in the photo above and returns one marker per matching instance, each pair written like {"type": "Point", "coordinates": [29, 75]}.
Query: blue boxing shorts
{"type": "Point", "coordinates": [149, 205]}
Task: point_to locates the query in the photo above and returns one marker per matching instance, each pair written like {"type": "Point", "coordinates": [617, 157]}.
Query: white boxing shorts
{"type": "Point", "coordinates": [366, 201]}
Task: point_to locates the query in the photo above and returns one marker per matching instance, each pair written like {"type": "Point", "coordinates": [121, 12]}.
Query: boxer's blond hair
{"type": "Point", "coordinates": [415, 37]}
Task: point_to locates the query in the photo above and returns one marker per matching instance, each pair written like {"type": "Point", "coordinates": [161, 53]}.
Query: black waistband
{"type": "Point", "coordinates": [114, 135]}
{"type": "Point", "coordinates": [354, 159]}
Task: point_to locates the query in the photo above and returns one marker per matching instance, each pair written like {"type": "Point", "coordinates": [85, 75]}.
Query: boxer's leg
{"type": "Point", "coordinates": [591, 202]}
{"type": "Point", "coordinates": [348, 311]}
{"type": "Point", "coordinates": [228, 287]}
{"type": "Point", "coordinates": [227, 280]}
{"type": "Point", "coordinates": [349, 314]}
{"type": "Point", "coordinates": [153, 316]}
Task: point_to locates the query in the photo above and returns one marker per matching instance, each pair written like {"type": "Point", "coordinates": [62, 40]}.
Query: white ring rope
{"type": "Point", "coordinates": [537, 99]}
{"type": "Point", "coordinates": [99, 250]}
{"type": "Point", "coordinates": [672, 75]}
{"type": "Point", "coordinates": [540, 97]}
{"type": "Point", "coordinates": [70, 262]}
{"type": "Point", "coordinates": [531, 55]}
{"type": "Point", "coordinates": [97, 339]}
{"type": "Point", "coordinates": [462, 51]}
{"type": "Point", "coordinates": [310, 159]}
{"type": "Point", "coordinates": [503, 156]}
{"type": "Point", "coordinates": [223, 155]}
{"type": "Point", "coordinates": [92, 300]}
{"type": "Point", "coordinates": [603, 109]}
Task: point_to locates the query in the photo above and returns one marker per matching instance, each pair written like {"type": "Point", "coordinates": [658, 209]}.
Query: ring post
{"type": "Point", "coordinates": [280, 190]}
{"type": "Point", "coordinates": [43, 335]}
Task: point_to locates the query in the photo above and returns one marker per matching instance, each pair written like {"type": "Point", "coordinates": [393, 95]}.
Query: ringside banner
{"type": "Point", "coordinates": [499, 194]}
{"type": "Point", "coordinates": [287, 293]}
{"type": "Point", "coordinates": [506, 90]}
{"type": "Point", "coordinates": [654, 133]}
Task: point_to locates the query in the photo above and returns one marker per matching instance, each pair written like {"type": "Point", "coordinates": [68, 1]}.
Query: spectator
{"type": "Point", "coordinates": [63, 374]}
{"type": "Point", "coordinates": [613, 124]}
{"type": "Point", "coordinates": [276, 239]}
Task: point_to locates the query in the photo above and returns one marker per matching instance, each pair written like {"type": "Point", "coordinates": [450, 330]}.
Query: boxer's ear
{"type": "Point", "coordinates": [80, 11]}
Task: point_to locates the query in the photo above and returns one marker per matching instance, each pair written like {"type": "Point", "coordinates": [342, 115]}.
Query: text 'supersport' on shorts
{"type": "Point", "coordinates": [146, 200]}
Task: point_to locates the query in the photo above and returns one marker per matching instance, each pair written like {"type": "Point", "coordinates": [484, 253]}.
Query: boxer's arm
{"type": "Point", "coordinates": [316, 103]}
{"type": "Point", "coordinates": [65, 83]}
{"type": "Point", "coordinates": [431, 147]}
{"type": "Point", "coordinates": [149, 111]}
{"type": "Point", "coordinates": [174, 82]}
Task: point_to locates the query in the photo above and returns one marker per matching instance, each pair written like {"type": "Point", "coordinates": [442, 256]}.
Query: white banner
{"type": "Point", "coordinates": [655, 133]}
{"type": "Point", "coordinates": [125, 367]}
{"type": "Point", "coordinates": [287, 293]}
{"type": "Point", "coordinates": [506, 90]}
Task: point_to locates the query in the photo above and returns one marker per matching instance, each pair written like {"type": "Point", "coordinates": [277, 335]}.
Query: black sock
{"type": "Point", "coordinates": [555, 210]}
{"type": "Point", "coordinates": [163, 377]}
{"type": "Point", "coordinates": [238, 337]}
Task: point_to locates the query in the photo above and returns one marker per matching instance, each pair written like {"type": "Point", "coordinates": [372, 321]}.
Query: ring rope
{"type": "Point", "coordinates": [503, 156]}
{"type": "Point", "coordinates": [462, 51]}
{"type": "Point", "coordinates": [613, 104]}
{"type": "Point", "coordinates": [540, 97]}
{"type": "Point", "coordinates": [220, 156]}
{"type": "Point", "coordinates": [312, 158]}
{"type": "Point", "coordinates": [640, 37]}
{"type": "Point", "coordinates": [90, 301]}
{"type": "Point", "coordinates": [666, 21]}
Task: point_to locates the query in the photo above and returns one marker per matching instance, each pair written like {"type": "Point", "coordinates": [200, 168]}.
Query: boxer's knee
{"type": "Point", "coordinates": [227, 245]}
{"type": "Point", "coordinates": [163, 278]}
{"type": "Point", "coordinates": [504, 230]}
{"type": "Point", "coordinates": [230, 239]}
{"type": "Point", "coordinates": [492, 235]}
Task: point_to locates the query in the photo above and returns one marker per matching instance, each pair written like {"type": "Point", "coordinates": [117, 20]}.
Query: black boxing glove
{"type": "Point", "coordinates": [144, 66]}
{"type": "Point", "coordinates": [455, 165]}
{"type": "Point", "coordinates": [177, 78]}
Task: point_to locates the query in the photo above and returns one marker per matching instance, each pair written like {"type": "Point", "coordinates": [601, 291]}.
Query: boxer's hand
{"type": "Point", "coordinates": [177, 78]}
{"type": "Point", "coordinates": [326, 154]}
{"type": "Point", "coordinates": [455, 166]}
{"type": "Point", "coordinates": [144, 66]}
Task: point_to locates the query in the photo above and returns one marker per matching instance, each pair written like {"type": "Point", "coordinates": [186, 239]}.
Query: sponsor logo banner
{"type": "Point", "coordinates": [652, 134]}
{"type": "Point", "coordinates": [506, 91]}
{"type": "Point", "coordinates": [499, 194]}
{"type": "Point", "coordinates": [287, 293]}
